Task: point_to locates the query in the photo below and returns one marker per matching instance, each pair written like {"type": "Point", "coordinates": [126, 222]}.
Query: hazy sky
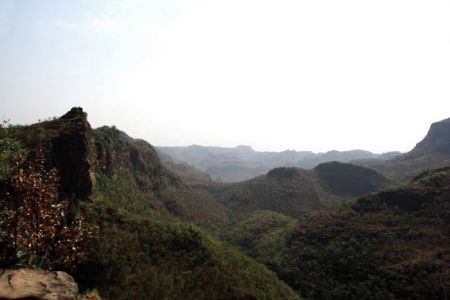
{"type": "Point", "coordinates": [281, 74]}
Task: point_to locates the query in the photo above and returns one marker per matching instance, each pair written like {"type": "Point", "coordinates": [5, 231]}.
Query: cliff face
{"type": "Point", "coordinates": [80, 153]}
{"type": "Point", "coordinates": [437, 139]}
{"type": "Point", "coordinates": [74, 154]}
{"type": "Point", "coordinates": [430, 153]}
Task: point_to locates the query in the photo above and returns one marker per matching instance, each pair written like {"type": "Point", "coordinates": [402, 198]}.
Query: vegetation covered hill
{"type": "Point", "coordinates": [294, 191]}
{"type": "Point", "coordinates": [349, 180]}
{"type": "Point", "coordinates": [143, 244]}
{"type": "Point", "coordinates": [106, 208]}
{"type": "Point", "coordinates": [432, 152]}
{"type": "Point", "coordinates": [390, 245]}
{"type": "Point", "coordinates": [188, 174]}
{"type": "Point", "coordinates": [242, 162]}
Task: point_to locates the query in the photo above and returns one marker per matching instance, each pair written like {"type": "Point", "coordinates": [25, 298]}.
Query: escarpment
{"type": "Point", "coordinates": [117, 153]}
{"type": "Point", "coordinates": [80, 153]}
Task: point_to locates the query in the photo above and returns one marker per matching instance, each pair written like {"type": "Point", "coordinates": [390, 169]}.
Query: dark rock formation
{"type": "Point", "coordinates": [437, 139]}
{"type": "Point", "coordinates": [74, 154]}
{"type": "Point", "coordinates": [431, 153]}
{"type": "Point", "coordinates": [78, 153]}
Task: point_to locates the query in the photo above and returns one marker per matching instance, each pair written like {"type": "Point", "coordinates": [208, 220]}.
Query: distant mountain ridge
{"type": "Point", "coordinates": [242, 162]}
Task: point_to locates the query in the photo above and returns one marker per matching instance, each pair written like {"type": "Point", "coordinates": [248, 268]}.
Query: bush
{"type": "Point", "coordinates": [12, 154]}
{"type": "Point", "coordinates": [38, 231]}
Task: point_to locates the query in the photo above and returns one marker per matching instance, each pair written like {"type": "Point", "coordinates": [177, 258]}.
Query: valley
{"type": "Point", "coordinates": [162, 226]}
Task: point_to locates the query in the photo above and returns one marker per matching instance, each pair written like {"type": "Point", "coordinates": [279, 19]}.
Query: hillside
{"type": "Point", "coordinates": [155, 221]}
{"type": "Point", "coordinates": [349, 180]}
{"type": "Point", "coordinates": [294, 191]}
{"type": "Point", "coordinates": [432, 152]}
{"type": "Point", "coordinates": [144, 244]}
{"type": "Point", "coordinates": [188, 174]}
{"type": "Point", "coordinates": [242, 162]}
{"type": "Point", "coordinates": [390, 245]}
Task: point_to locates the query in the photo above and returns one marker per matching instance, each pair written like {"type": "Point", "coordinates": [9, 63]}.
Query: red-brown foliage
{"type": "Point", "coordinates": [37, 230]}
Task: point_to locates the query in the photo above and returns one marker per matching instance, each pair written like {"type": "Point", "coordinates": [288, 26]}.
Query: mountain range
{"type": "Point", "coordinates": [375, 228]}
{"type": "Point", "coordinates": [242, 162]}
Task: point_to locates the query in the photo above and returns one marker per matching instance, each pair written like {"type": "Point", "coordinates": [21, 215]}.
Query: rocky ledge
{"type": "Point", "coordinates": [29, 283]}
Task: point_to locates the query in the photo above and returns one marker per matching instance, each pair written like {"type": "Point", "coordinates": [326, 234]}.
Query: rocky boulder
{"type": "Point", "coordinates": [30, 283]}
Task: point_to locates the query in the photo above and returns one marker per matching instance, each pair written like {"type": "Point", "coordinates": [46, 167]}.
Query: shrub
{"type": "Point", "coordinates": [37, 229]}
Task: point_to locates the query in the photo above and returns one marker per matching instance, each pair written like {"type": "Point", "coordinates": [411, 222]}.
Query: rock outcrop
{"type": "Point", "coordinates": [74, 153]}
{"type": "Point", "coordinates": [430, 153]}
{"type": "Point", "coordinates": [437, 139]}
{"type": "Point", "coordinates": [71, 150]}
{"type": "Point", "coordinates": [28, 283]}
{"type": "Point", "coordinates": [78, 152]}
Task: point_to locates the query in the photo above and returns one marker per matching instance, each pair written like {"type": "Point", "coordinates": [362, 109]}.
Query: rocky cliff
{"type": "Point", "coordinates": [80, 152]}
{"type": "Point", "coordinates": [437, 139]}
{"type": "Point", "coordinates": [430, 153]}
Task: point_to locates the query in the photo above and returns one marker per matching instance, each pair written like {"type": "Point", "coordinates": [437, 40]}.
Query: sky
{"type": "Point", "coordinates": [276, 75]}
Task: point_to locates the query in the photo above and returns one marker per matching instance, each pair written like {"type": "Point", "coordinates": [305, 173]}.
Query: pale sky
{"type": "Point", "coordinates": [282, 74]}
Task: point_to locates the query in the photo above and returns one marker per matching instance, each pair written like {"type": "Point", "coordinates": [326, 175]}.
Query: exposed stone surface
{"type": "Point", "coordinates": [78, 152]}
{"type": "Point", "coordinates": [74, 154]}
{"type": "Point", "coordinates": [437, 139]}
{"type": "Point", "coordinates": [27, 283]}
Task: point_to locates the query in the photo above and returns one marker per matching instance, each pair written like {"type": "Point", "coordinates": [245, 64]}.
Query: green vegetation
{"type": "Point", "coordinates": [131, 177]}
{"type": "Point", "coordinates": [287, 191]}
{"type": "Point", "coordinates": [156, 235]}
{"type": "Point", "coordinates": [349, 180]}
{"type": "Point", "coordinates": [145, 245]}
{"type": "Point", "coordinates": [394, 244]}
{"type": "Point", "coordinates": [150, 258]}
{"type": "Point", "coordinates": [188, 174]}
{"type": "Point", "coordinates": [295, 192]}
{"type": "Point", "coordinates": [262, 235]}
{"type": "Point", "coordinates": [12, 154]}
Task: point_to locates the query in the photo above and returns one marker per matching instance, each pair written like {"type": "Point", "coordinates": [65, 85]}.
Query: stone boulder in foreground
{"type": "Point", "coordinates": [31, 283]}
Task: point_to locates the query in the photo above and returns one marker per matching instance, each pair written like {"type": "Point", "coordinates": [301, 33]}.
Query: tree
{"type": "Point", "coordinates": [37, 228]}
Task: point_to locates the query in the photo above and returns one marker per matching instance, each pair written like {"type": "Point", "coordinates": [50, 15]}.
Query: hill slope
{"type": "Point", "coordinates": [188, 174]}
{"type": "Point", "coordinates": [145, 246]}
{"type": "Point", "coordinates": [390, 245]}
{"type": "Point", "coordinates": [294, 191]}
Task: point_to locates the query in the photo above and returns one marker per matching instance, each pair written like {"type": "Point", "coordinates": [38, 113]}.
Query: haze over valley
{"type": "Point", "coordinates": [224, 150]}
